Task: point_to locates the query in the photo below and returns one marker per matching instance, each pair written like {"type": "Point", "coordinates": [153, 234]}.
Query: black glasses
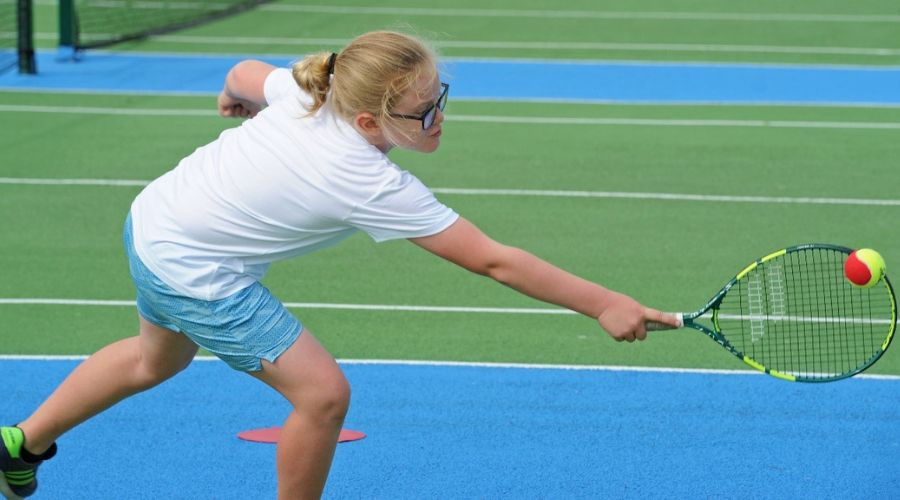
{"type": "Point", "coordinates": [427, 117]}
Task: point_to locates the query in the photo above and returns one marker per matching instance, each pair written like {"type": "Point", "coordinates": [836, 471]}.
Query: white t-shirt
{"type": "Point", "coordinates": [280, 185]}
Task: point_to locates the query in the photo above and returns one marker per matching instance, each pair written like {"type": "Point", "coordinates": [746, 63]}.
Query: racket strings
{"type": "Point", "coordinates": [797, 314]}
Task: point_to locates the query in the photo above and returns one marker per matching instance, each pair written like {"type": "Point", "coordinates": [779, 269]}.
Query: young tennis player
{"type": "Point", "coordinates": [308, 170]}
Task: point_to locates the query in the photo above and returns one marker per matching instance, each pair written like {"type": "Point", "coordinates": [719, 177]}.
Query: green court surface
{"type": "Point", "coordinates": [63, 241]}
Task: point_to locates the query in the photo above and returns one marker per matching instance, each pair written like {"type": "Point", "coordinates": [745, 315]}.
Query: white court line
{"type": "Point", "coordinates": [540, 120]}
{"type": "Point", "coordinates": [436, 309]}
{"type": "Point", "coordinates": [680, 104]}
{"type": "Point", "coordinates": [466, 364]}
{"type": "Point", "coordinates": [584, 14]}
{"type": "Point", "coordinates": [535, 13]}
{"type": "Point", "coordinates": [72, 182]}
{"type": "Point", "coordinates": [500, 99]}
{"type": "Point", "coordinates": [490, 44]}
{"type": "Point", "coordinates": [146, 4]}
{"type": "Point", "coordinates": [97, 110]}
{"type": "Point", "coordinates": [583, 61]}
{"type": "Point", "coordinates": [521, 120]}
{"type": "Point", "coordinates": [529, 100]}
{"type": "Point", "coordinates": [527, 192]}
{"type": "Point", "coordinates": [306, 305]}
{"type": "Point", "coordinates": [671, 196]}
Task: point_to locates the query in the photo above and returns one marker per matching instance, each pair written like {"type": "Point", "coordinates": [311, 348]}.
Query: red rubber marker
{"type": "Point", "coordinates": [271, 434]}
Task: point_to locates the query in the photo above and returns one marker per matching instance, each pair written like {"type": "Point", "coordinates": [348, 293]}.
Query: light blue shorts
{"type": "Point", "coordinates": [241, 329]}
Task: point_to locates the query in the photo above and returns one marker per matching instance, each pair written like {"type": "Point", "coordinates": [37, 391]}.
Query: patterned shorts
{"type": "Point", "coordinates": [241, 329]}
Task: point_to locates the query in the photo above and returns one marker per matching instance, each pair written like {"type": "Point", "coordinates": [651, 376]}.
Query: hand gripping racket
{"type": "Point", "coordinates": [793, 314]}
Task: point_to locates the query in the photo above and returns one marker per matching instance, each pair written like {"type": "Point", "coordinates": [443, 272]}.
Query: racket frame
{"type": "Point", "coordinates": [715, 333]}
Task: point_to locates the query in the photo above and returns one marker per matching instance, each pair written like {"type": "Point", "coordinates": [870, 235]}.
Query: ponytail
{"type": "Point", "coordinates": [313, 74]}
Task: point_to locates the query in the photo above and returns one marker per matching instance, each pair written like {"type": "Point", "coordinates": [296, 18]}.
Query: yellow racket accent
{"type": "Point", "coordinates": [774, 373]}
{"type": "Point", "coordinates": [773, 255]}
{"type": "Point", "coordinates": [782, 376]}
{"type": "Point", "coordinates": [746, 270]}
{"type": "Point", "coordinates": [887, 341]}
{"type": "Point", "coordinates": [754, 364]}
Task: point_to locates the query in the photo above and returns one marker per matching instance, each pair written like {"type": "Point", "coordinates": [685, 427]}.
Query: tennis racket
{"type": "Point", "coordinates": [793, 315]}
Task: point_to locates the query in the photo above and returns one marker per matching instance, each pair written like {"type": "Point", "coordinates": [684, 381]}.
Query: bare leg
{"type": "Point", "coordinates": [113, 373]}
{"type": "Point", "coordinates": [312, 381]}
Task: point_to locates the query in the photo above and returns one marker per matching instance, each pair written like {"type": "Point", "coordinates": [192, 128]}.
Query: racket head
{"type": "Point", "coordinates": [794, 315]}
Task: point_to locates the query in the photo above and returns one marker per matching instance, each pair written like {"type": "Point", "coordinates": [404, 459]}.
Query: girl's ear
{"type": "Point", "coordinates": [367, 124]}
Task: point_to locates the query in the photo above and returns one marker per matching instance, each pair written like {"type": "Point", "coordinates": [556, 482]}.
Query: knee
{"type": "Point", "coordinates": [331, 400]}
{"type": "Point", "coordinates": [338, 399]}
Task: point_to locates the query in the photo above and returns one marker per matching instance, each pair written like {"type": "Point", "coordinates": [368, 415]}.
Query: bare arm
{"type": "Point", "coordinates": [243, 93]}
{"type": "Point", "coordinates": [465, 245]}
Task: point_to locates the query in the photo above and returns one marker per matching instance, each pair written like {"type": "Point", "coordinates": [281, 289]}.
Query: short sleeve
{"type": "Point", "coordinates": [404, 208]}
{"type": "Point", "coordinates": [280, 84]}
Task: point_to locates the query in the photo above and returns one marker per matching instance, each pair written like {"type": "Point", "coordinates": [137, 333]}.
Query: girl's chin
{"type": "Point", "coordinates": [431, 145]}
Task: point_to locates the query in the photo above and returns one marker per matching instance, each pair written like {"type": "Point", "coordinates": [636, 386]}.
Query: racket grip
{"type": "Point", "coordinates": [655, 326]}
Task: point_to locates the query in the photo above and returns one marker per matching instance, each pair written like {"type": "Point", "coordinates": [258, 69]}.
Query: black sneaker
{"type": "Point", "coordinates": [18, 478]}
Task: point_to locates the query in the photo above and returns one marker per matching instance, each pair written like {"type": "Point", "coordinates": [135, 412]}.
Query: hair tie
{"type": "Point", "coordinates": [331, 63]}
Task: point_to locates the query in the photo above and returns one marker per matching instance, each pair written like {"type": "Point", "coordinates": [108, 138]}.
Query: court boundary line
{"type": "Point", "coordinates": [572, 46]}
{"type": "Point", "coordinates": [550, 46]}
{"type": "Point", "coordinates": [526, 100]}
{"type": "Point", "coordinates": [472, 364]}
{"type": "Point", "coordinates": [572, 13]}
{"type": "Point", "coordinates": [553, 46]}
{"type": "Point", "coordinates": [584, 14]}
{"type": "Point", "coordinates": [305, 305]}
{"type": "Point", "coordinates": [503, 119]}
{"type": "Point", "coordinates": [389, 307]}
{"type": "Point", "coordinates": [587, 61]}
{"type": "Point", "coordinates": [786, 200]}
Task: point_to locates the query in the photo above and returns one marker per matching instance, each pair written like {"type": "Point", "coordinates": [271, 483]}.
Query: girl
{"type": "Point", "coordinates": [308, 170]}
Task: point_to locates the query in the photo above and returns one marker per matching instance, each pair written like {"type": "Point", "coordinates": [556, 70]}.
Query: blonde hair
{"type": "Point", "coordinates": [370, 74]}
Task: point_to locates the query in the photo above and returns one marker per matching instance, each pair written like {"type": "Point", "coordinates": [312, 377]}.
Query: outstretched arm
{"type": "Point", "coordinates": [243, 93]}
{"type": "Point", "coordinates": [465, 245]}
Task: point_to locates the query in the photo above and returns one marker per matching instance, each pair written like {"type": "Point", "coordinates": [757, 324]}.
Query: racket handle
{"type": "Point", "coordinates": [654, 326]}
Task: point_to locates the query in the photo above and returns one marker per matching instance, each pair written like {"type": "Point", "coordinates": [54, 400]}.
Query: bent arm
{"type": "Point", "coordinates": [243, 93]}
{"type": "Point", "coordinates": [465, 245]}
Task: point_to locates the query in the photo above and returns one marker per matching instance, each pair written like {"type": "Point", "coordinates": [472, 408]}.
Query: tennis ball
{"type": "Point", "coordinates": [864, 267]}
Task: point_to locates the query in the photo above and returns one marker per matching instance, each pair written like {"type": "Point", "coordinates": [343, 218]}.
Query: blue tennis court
{"type": "Point", "coordinates": [444, 431]}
